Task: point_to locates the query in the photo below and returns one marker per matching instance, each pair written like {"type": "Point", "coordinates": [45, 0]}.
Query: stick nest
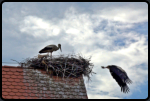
{"type": "Point", "coordinates": [62, 66]}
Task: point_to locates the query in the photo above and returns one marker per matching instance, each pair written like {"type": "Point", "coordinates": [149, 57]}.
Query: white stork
{"type": "Point", "coordinates": [50, 48]}
{"type": "Point", "coordinates": [120, 76]}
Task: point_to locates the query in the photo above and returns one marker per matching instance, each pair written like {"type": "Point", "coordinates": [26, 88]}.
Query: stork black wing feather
{"type": "Point", "coordinates": [124, 87]}
{"type": "Point", "coordinates": [45, 49]}
{"type": "Point", "coordinates": [121, 73]}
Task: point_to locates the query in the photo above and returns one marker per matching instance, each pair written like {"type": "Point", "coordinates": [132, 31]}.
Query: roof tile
{"type": "Point", "coordinates": [13, 76]}
{"type": "Point", "coordinates": [4, 72]}
{"type": "Point", "coordinates": [13, 70]}
{"type": "Point", "coordinates": [4, 97]}
{"type": "Point", "coordinates": [35, 97]}
{"type": "Point", "coordinates": [8, 83]}
{"type": "Point", "coordinates": [25, 94]}
{"type": "Point", "coordinates": [21, 84]}
{"type": "Point", "coordinates": [3, 83]}
{"type": "Point", "coordinates": [18, 80]}
{"type": "Point", "coordinates": [18, 94]}
{"type": "Point", "coordinates": [11, 86]}
{"type": "Point", "coordinates": [12, 93]}
{"type": "Point", "coordinates": [6, 90]}
{"type": "Point", "coordinates": [28, 91]}
{"type": "Point", "coordinates": [19, 70]}
{"type": "Point", "coordinates": [6, 69]}
{"type": "Point", "coordinates": [6, 76]}
{"type": "Point", "coordinates": [15, 90]}
{"type": "Point", "coordinates": [29, 97]}
{"type": "Point", "coordinates": [11, 80]}
{"type": "Point", "coordinates": [18, 73]}
{"type": "Point", "coordinates": [21, 90]}
{"type": "Point", "coordinates": [9, 73]}
{"type": "Point", "coordinates": [22, 97]}
{"type": "Point", "coordinates": [32, 94]}
{"type": "Point", "coordinates": [7, 97]}
{"type": "Point", "coordinates": [18, 87]}
{"type": "Point", "coordinates": [14, 83]}
{"type": "Point", "coordinates": [20, 77]}
{"type": "Point", "coordinates": [15, 97]}
{"type": "Point", "coordinates": [5, 93]}
{"type": "Point", "coordinates": [4, 86]}
{"type": "Point", "coordinates": [4, 79]}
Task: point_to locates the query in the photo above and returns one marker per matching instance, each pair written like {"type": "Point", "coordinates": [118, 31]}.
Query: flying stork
{"type": "Point", "coordinates": [50, 48]}
{"type": "Point", "coordinates": [120, 76]}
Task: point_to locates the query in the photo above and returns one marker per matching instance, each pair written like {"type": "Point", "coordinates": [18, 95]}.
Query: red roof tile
{"type": "Point", "coordinates": [21, 83]}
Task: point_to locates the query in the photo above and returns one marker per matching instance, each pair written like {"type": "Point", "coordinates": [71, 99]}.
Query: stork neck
{"type": "Point", "coordinates": [58, 47]}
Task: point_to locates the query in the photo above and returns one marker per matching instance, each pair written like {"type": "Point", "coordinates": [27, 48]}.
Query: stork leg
{"type": "Point", "coordinates": [47, 69]}
{"type": "Point", "coordinates": [51, 55]}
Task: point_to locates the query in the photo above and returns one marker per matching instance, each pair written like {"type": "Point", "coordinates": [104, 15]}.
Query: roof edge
{"type": "Point", "coordinates": [6, 66]}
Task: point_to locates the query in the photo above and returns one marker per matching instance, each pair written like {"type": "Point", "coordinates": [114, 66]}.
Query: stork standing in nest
{"type": "Point", "coordinates": [50, 48]}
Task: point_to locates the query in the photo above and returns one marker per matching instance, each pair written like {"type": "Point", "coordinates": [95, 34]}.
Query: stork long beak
{"type": "Point", "coordinates": [105, 67]}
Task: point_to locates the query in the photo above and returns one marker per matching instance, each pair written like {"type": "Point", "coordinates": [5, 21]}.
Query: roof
{"type": "Point", "coordinates": [23, 83]}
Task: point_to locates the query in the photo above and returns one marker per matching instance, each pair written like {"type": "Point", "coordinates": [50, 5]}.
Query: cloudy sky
{"type": "Point", "coordinates": [113, 33]}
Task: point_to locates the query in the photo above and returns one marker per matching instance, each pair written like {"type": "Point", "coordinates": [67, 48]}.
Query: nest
{"type": "Point", "coordinates": [62, 66]}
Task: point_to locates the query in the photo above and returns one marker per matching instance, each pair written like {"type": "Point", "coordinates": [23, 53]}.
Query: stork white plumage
{"type": "Point", "coordinates": [50, 48]}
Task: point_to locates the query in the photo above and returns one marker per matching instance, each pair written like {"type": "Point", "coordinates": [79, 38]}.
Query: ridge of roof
{"type": "Point", "coordinates": [6, 66]}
